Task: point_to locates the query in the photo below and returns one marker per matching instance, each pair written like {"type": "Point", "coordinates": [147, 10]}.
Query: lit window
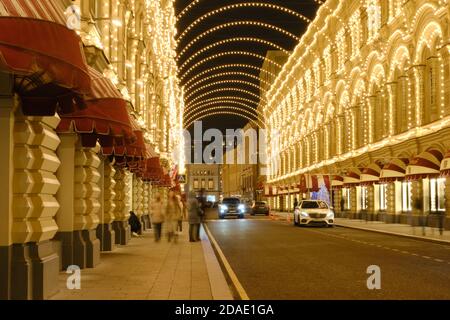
{"type": "Point", "coordinates": [383, 197]}
{"type": "Point", "coordinates": [406, 196]}
{"type": "Point", "coordinates": [195, 183]}
{"type": "Point", "coordinates": [346, 198]}
{"type": "Point", "coordinates": [211, 184]}
{"type": "Point", "coordinates": [374, 18]}
{"type": "Point", "coordinates": [364, 198]}
{"type": "Point", "coordinates": [437, 195]}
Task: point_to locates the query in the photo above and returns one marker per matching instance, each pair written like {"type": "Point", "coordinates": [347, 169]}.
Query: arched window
{"type": "Point", "coordinates": [373, 18]}
{"type": "Point", "coordinates": [432, 111]}
{"type": "Point", "coordinates": [401, 103]}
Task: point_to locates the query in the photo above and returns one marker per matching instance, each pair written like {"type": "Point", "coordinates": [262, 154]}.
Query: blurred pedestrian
{"type": "Point", "coordinates": [295, 203]}
{"type": "Point", "coordinates": [157, 216]}
{"type": "Point", "coordinates": [194, 217]}
{"type": "Point", "coordinates": [173, 212]}
{"type": "Point", "coordinates": [181, 214]}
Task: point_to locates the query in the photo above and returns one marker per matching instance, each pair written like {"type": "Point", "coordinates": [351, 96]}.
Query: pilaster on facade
{"type": "Point", "coordinates": [105, 232]}
{"type": "Point", "coordinates": [87, 204]}
{"type": "Point", "coordinates": [34, 188]}
{"type": "Point", "coordinates": [121, 213]}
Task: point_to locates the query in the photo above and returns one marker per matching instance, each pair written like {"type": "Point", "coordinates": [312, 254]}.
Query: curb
{"type": "Point", "coordinates": [420, 238]}
{"type": "Point", "coordinates": [220, 289]}
{"type": "Point", "coordinates": [238, 288]}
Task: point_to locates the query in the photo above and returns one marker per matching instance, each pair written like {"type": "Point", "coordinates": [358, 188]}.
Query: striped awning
{"type": "Point", "coordinates": [153, 170]}
{"type": "Point", "coordinates": [425, 165]}
{"type": "Point", "coordinates": [353, 177]}
{"type": "Point", "coordinates": [395, 170]}
{"type": "Point", "coordinates": [45, 56]}
{"type": "Point", "coordinates": [371, 173]}
{"type": "Point", "coordinates": [313, 182]}
{"type": "Point", "coordinates": [337, 182]}
{"type": "Point", "coordinates": [105, 119]}
{"type": "Point", "coordinates": [445, 165]}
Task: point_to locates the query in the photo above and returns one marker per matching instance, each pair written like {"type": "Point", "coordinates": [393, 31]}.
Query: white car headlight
{"type": "Point", "coordinates": [304, 214]}
{"type": "Point", "coordinates": [330, 214]}
{"type": "Point", "coordinates": [223, 207]}
{"type": "Point", "coordinates": [241, 207]}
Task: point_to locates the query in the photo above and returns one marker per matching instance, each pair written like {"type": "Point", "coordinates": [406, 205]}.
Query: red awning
{"type": "Point", "coordinates": [353, 177]}
{"type": "Point", "coordinates": [153, 170]}
{"type": "Point", "coordinates": [45, 57]}
{"type": "Point", "coordinates": [132, 151]}
{"type": "Point", "coordinates": [425, 165]}
{"type": "Point", "coordinates": [445, 165]}
{"type": "Point", "coordinates": [371, 174]}
{"type": "Point", "coordinates": [105, 118]}
{"type": "Point", "coordinates": [394, 170]}
{"type": "Point", "coordinates": [337, 182]}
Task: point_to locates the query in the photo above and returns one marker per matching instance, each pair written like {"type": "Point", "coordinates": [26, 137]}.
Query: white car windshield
{"type": "Point", "coordinates": [314, 205]}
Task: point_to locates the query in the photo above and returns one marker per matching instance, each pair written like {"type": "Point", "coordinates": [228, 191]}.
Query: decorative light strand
{"type": "Point", "coordinates": [242, 5]}
{"type": "Point", "coordinates": [215, 83]}
{"type": "Point", "coordinates": [225, 74]}
{"type": "Point", "coordinates": [230, 40]}
{"type": "Point", "coordinates": [228, 89]}
{"type": "Point", "coordinates": [188, 125]}
{"type": "Point", "coordinates": [197, 113]}
{"type": "Point", "coordinates": [228, 66]}
{"type": "Point", "coordinates": [223, 102]}
{"type": "Point", "coordinates": [228, 53]}
{"type": "Point", "coordinates": [193, 3]}
{"type": "Point", "coordinates": [188, 106]}
{"type": "Point", "coordinates": [234, 24]}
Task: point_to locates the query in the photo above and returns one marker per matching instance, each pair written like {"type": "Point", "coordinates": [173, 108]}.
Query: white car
{"type": "Point", "coordinates": [313, 213]}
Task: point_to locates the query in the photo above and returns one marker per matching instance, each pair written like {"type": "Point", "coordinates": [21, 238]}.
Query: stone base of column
{"type": "Point", "coordinates": [92, 248]}
{"type": "Point", "coordinates": [45, 265]}
{"type": "Point", "coordinates": [31, 272]}
{"type": "Point", "coordinates": [388, 217]}
{"type": "Point", "coordinates": [435, 221]}
{"type": "Point", "coordinates": [107, 237]}
{"type": "Point", "coordinates": [122, 231]}
{"type": "Point", "coordinates": [21, 273]}
{"type": "Point", "coordinates": [5, 274]}
{"type": "Point", "coordinates": [79, 249]}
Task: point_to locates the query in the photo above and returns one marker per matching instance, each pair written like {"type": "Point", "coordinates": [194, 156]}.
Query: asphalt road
{"type": "Point", "coordinates": [275, 260]}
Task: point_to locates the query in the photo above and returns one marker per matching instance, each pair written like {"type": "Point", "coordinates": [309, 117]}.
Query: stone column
{"type": "Point", "coordinates": [419, 84]}
{"type": "Point", "coordinates": [371, 202]}
{"type": "Point", "coordinates": [7, 106]}
{"type": "Point", "coordinates": [71, 245]}
{"type": "Point", "coordinates": [447, 203]}
{"type": "Point", "coordinates": [120, 224]}
{"type": "Point", "coordinates": [105, 232]}
{"type": "Point", "coordinates": [354, 213]}
{"type": "Point", "coordinates": [87, 205]}
{"type": "Point", "coordinates": [391, 213]}
{"type": "Point", "coordinates": [145, 205]}
{"type": "Point", "coordinates": [138, 198]}
{"type": "Point", "coordinates": [35, 264]}
{"type": "Point", "coordinates": [337, 202]}
{"type": "Point", "coordinates": [417, 202]}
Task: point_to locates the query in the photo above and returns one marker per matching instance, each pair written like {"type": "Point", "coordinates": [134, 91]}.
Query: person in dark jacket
{"type": "Point", "coordinates": [135, 224]}
{"type": "Point", "coordinates": [194, 217]}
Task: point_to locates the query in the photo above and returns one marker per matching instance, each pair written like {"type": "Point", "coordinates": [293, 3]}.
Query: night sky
{"type": "Point", "coordinates": [283, 20]}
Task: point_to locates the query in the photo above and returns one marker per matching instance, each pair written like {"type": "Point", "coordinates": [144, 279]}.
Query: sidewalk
{"type": "Point", "coordinates": [404, 230]}
{"type": "Point", "coordinates": [145, 270]}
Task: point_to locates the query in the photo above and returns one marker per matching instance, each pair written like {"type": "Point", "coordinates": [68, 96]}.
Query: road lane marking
{"type": "Point", "coordinates": [237, 284]}
{"type": "Point", "coordinates": [379, 246]}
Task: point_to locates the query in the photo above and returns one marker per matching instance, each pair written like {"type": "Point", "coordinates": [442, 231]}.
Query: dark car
{"type": "Point", "coordinates": [260, 207]}
{"type": "Point", "coordinates": [231, 207]}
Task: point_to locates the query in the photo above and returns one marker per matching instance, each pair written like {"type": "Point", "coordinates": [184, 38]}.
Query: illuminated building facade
{"type": "Point", "coordinates": [90, 117]}
{"type": "Point", "coordinates": [363, 107]}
